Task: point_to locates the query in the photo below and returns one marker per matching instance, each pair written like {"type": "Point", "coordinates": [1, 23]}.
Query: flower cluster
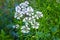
{"type": "Point", "coordinates": [29, 16]}
{"type": "Point", "coordinates": [25, 29]}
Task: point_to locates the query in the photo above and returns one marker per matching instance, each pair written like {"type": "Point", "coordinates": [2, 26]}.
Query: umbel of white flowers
{"type": "Point", "coordinates": [26, 12]}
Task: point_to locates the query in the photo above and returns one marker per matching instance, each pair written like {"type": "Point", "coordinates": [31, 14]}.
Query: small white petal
{"type": "Point", "coordinates": [26, 2]}
{"type": "Point", "coordinates": [18, 9]}
{"type": "Point", "coordinates": [30, 18]}
{"type": "Point", "coordinates": [18, 17]}
{"type": "Point", "coordinates": [35, 25]}
{"type": "Point", "coordinates": [33, 17]}
{"type": "Point", "coordinates": [15, 15]}
{"type": "Point", "coordinates": [24, 9]}
{"type": "Point", "coordinates": [24, 20]}
{"type": "Point", "coordinates": [30, 9]}
{"type": "Point", "coordinates": [26, 23]}
{"type": "Point", "coordinates": [23, 5]}
{"type": "Point", "coordinates": [39, 14]}
{"type": "Point", "coordinates": [21, 15]}
{"type": "Point", "coordinates": [32, 13]}
{"type": "Point", "coordinates": [27, 13]}
{"type": "Point", "coordinates": [25, 29]}
{"type": "Point", "coordinates": [37, 17]}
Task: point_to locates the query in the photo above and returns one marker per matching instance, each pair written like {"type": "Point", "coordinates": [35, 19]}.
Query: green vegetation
{"type": "Point", "coordinates": [49, 24]}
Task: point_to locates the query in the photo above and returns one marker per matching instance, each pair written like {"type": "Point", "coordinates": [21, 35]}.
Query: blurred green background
{"type": "Point", "coordinates": [49, 25]}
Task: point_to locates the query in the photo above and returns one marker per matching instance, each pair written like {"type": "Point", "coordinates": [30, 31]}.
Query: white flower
{"type": "Point", "coordinates": [35, 25]}
{"type": "Point", "coordinates": [25, 19]}
{"type": "Point", "coordinates": [15, 15]}
{"type": "Point", "coordinates": [29, 17]}
{"type": "Point", "coordinates": [36, 16]}
{"type": "Point", "coordinates": [22, 13]}
{"type": "Point", "coordinates": [18, 9]}
{"type": "Point", "coordinates": [26, 2]}
{"type": "Point", "coordinates": [31, 20]}
{"type": "Point", "coordinates": [39, 14]}
{"type": "Point", "coordinates": [33, 17]}
{"type": "Point", "coordinates": [26, 23]}
{"type": "Point", "coordinates": [16, 26]}
{"type": "Point", "coordinates": [24, 10]}
{"type": "Point", "coordinates": [32, 13]}
{"type": "Point", "coordinates": [30, 9]}
{"type": "Point", "coordinates": [29, 14]}
{"type": "Point", "coordinates": [25, 29]}
{"type": "Point", "coordinates": [23, 5]}
{"type": "Point", "coordinates": [18, 15]}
